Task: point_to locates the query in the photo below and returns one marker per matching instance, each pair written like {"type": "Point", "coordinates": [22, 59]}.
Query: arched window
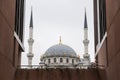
{"type": "Point", "coordinates": [44, 60]}
{"type": "Point", "coordinates": [72, 60]}
{"type": "Point", "coordinates": [61, 60]}
{"type": "Point", "coordinates": [77, 60]}
{"type": "Point", "coordinates": [55, 60]}
{"type": "Point", "coordinates": [48, 60]}
{"type": "Point", "coordinates": [67, 60]}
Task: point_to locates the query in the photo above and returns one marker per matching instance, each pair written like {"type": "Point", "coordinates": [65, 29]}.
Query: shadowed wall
{"type": "Point", "coordinates": [9, 47]}
{"type": "Point", "coordinates": [59, 74]}
{"type": "Point", "coordinates": [109, 53]}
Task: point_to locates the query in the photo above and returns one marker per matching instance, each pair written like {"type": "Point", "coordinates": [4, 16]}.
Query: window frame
{"type": "Point", "coordinates": [101, 11]}
{"type": "Point", "coordinates": [73, 61]}
{"type": "Point", "coordinates": [55, 60]}
{"type": "Point", "coordinates": [67, 60]}
{"type": "Point", "coordinates": [19, 19]}
{"type": "Point", "coordinates": [49, 60]}
{"type": "Point", "coordinates": [61, 60]}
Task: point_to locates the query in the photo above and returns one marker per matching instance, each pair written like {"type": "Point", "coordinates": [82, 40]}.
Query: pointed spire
{"type": "Point", "coordinates": [85, 21]}
{"type": "Point", "coordinates": [60, 41]}
{"type": "Point", "coordinates": [31, 20]}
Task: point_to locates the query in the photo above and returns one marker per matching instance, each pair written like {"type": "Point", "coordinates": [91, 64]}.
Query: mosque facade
{"type": "Point", "coordinates": [60, 55]}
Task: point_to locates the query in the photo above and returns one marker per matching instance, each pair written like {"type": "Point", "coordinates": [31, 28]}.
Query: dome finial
{"type": "Point", "coordinates": [60, 41]}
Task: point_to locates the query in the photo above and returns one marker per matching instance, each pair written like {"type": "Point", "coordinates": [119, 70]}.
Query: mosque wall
{"type": "Point", "coordinates": [64, 60]}
{"type": "Point", "coordinates": [110, 55]}
{"type": "Point", "coordinates": [58, 60]}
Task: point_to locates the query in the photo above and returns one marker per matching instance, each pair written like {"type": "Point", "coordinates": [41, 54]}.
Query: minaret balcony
{"type": "Point", "coordinates": [30, 55]}
{"type": "Point", "coordinates": [86, 41]}
{"type": "Point", "coordinates": [86, 55]}
{"type": "Point", "coordinates": [30, 40]}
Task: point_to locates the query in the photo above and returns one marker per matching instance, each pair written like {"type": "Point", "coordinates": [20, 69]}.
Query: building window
{"type": "Point", "coordinates": [102, 17]}
{"type": "Point", "coordinates": [61, 59]}
{"type": "Point", "coordinates": [67, 60]}
{"type": "Point", "coordinates": [19, 17]}
{"type": "Point", "coordinates": [49, 61]}
{"type": "Point", "coordinates": [73, 61]}
{"type": "Point", "coordinates": [100, 30]}
{"type": "Point", "coordinates": [55, 60]}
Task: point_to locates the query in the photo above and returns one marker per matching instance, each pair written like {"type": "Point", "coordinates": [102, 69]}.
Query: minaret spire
{"type": "Point", "coordinates": [85, 21]}
{"type": "Point", "coordinates": [60, 41]}
{"type": "Point", "coordinates": [31, 19]}
{"type": "Point", "coordinates": [86, 56]}
{"type": "Point", "coordinates": [30, 42]}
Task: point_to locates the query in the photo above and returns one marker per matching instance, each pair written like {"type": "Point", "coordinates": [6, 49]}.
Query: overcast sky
{"type": "Point", "coordinates": [54, 18]}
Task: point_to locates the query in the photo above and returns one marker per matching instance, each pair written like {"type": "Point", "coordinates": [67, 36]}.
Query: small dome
{"type": "Point", "coordinates": [60, 50]}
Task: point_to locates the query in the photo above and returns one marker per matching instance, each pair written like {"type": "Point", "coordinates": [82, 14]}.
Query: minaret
{"type": "Point", "coordinates": [86, 56]}
{"type": "Point", "coordinates": [30, 42]}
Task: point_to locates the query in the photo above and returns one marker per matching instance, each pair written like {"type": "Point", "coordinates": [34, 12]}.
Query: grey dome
{"type": "Point", "coordinates": [60, 50]}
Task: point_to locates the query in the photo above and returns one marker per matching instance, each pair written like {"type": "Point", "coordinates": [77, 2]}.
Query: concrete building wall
{"type": "Point", "coordinates": [113, 38]}
{"type": "Point", "coordinates": [58, 74]}
{"type": "Point", "coordinates": [102, 55]}
{"type": "Point", "coordinates": [9, 46]}
{"type": "Point", "coordinates": [109, 52]}
{"type": "Point", "coordinates": [7, 19]}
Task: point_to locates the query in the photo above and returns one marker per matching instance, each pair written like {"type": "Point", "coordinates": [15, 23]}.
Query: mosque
{"type": "Point", "coordinates": [60, 55]}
